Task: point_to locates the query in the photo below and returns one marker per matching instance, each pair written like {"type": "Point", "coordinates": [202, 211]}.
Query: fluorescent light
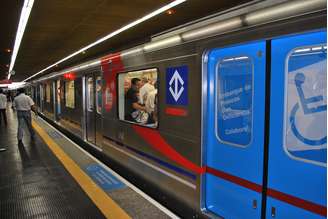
{"type": "Point", "coordinates": [112, 34]}
{"type": "Point", "coordinates": [26, 10]}
{"type": "Point", "coordinates": [302, 50]}
{"type": "Point", "coordinates": [133, 51]}
{"type": "Point", "coordinates": [235, 59]}
{"type": "Point", "coordinates": [282, 10]}
{"type": "Point", "coordinates": [241, 58]}
{"type": "Point", "coordinates": [316, 48]}
{"type": "Point", "coordinates": [215, 28]}
{"type": "Point", "coordinates": [162, 43]}
{"type": "Point", "coordinates": [14, 85]}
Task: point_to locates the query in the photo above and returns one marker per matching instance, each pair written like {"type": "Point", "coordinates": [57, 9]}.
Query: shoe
{"type": "Point", "coordinates": [32, 137]}
{"type": "Point", "coordinates": [20, 142]}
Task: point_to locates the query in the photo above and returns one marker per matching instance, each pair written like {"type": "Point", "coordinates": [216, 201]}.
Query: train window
{"type": "Point", "coordinates": [305, 131]}
{"type": "Point", "coordinates": [41, 92]}
{"type": "Point", "coordinates": [137, 97]}
{"type": "Point", "coordinates": [234, 100]}
{"type": "Point", "coordinates": [90, 94]}
{"type": "Point", "coordinates": [98, 94]}
{"type": "Point", "coordinates": [69, 94]}
{"type": "Point", "coordinates": [48, 87]}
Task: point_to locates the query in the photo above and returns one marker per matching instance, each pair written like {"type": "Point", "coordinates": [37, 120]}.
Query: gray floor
{"type": "Point", "coordinates": [34, 184]}
{"type": "Point", "coordinates": [131, 202]}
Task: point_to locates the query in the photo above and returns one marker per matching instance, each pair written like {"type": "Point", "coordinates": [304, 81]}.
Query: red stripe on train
{"type": "Point", "coordinates": [298, 202]}
{"type": "Point", "coordinates": [176, 111]}
{"type": "Point", "coordinates": [234, 179]}
{"type": "Point", "coordinates": [154, 138]}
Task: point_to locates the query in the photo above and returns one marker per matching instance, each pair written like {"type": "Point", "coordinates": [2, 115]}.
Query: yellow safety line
{"type": "Point", "coordinates": [106, 205]}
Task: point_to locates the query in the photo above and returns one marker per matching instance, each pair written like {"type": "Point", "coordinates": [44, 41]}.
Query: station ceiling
{"type": "Point", "coordinates": [58, 28]}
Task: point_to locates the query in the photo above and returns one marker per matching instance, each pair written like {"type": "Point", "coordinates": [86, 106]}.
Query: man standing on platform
{"type": "Point", "coordinates": [23, 104]}
{"type": "Point", "coordinates": [3, 106]}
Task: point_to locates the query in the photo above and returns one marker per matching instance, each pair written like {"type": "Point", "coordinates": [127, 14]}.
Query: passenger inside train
{"type": "Point", "coordinates": [138, 97]}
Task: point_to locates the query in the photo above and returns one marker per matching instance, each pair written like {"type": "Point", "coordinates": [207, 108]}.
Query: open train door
{"type": "Point", "coordinates": [233, 130]}
{"type": "Point", "coordinates": [297, 180]}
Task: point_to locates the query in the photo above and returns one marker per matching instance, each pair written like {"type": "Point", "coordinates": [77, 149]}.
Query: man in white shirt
{"type": "Point", "coordinates": [145, 89]}
{"type": "Point", "coordinates": [3, 106]}
{"type": "Point", "coordinates": [23, 104]}
{"type": "Point", "coordinates": [151, 107]}
{"type": "Point", "coordinates": [150, 102]}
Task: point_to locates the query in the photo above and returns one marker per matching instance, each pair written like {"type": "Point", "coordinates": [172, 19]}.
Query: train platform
{"type": "Point", "coordinates": [52, 177]}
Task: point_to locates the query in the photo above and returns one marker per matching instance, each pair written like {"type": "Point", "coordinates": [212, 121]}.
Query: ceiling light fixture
{"type": "Point", "coordinates": [112, 34]}
{"type": "Point", "coordinates": [170, 12]}
{"type": "Point", "coordinates": [26, 10]}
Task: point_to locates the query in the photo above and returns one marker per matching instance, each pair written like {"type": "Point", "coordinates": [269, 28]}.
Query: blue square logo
{"type": "Point", "coordinates": [177, 85]}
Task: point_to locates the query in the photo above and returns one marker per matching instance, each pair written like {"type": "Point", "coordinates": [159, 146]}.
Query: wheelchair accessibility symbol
{"type": "Point", "coordinates": [307, 110]}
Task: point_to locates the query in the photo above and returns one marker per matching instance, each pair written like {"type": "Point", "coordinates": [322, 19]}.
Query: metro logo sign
{"type": "Point", "coordinates": [177, 85]}
{"type": "Point", "coordinates": [176, 79]}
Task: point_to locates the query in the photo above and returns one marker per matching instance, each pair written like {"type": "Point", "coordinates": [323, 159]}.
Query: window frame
{"type": "Point", "coordinates": [99, 78]}
{"type": "Point", "coordinates": [158, 97]}
{"type": "Point", "coordinates": [48, 92]}
{"type": "Point", "coordinates": [216, 103]}
{"type": "Point", "coordinates": [66, 91]}
{"type": "Point", "coordinates": [90, 98]}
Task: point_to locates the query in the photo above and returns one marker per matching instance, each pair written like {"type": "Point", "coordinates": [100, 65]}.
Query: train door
{"type": "Point", "coordinates": [93, 108]}
{"type": "Point", "coordinates": [297, 186]}
{"type": "Point", "coordinates": [233, 124]}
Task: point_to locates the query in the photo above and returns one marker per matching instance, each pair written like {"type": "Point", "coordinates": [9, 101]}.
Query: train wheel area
{"type": "Point", "coordinates": [50, 176]}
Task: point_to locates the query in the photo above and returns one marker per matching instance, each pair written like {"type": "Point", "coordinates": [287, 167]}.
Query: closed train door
{"type": "Point", "coordinates": [297, 186]}
{"type": "Point", "coordinates": [233, 125]}
{"type": "Point", "coordinates": [93, 108]}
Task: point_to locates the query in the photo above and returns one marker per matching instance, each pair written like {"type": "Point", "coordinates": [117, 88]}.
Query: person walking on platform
{"type": "Point", "coordinates": [3, 106]}
{"type": "Point", "coordinates": [23, 104]}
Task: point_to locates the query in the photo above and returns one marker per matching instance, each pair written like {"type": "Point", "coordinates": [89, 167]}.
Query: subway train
{"type": "Point", "coordinates": [235, 125]}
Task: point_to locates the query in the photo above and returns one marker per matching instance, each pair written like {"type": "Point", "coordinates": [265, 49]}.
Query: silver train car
{"type": "Point", "coordinates": [232, 124]}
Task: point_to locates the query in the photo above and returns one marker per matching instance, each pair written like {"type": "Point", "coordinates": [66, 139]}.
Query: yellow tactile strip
{"type": "Point", "coordinates": [105, 204]}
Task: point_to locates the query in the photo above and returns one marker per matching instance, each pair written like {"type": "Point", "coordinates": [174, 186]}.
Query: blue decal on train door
{"type": "Point", "coordinates": [298, 128]}
{"type": "Point", "coordinates": [234, 130]}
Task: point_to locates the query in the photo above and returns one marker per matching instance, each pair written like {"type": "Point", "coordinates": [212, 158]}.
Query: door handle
{"type": "Point", "coordinates": [254, 204]}
{"type": "Point", "coordinates": [273, 212]}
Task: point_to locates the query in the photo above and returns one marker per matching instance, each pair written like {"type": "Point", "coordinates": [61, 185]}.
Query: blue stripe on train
{"type": "Point", "coordinates": [159, 161]}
